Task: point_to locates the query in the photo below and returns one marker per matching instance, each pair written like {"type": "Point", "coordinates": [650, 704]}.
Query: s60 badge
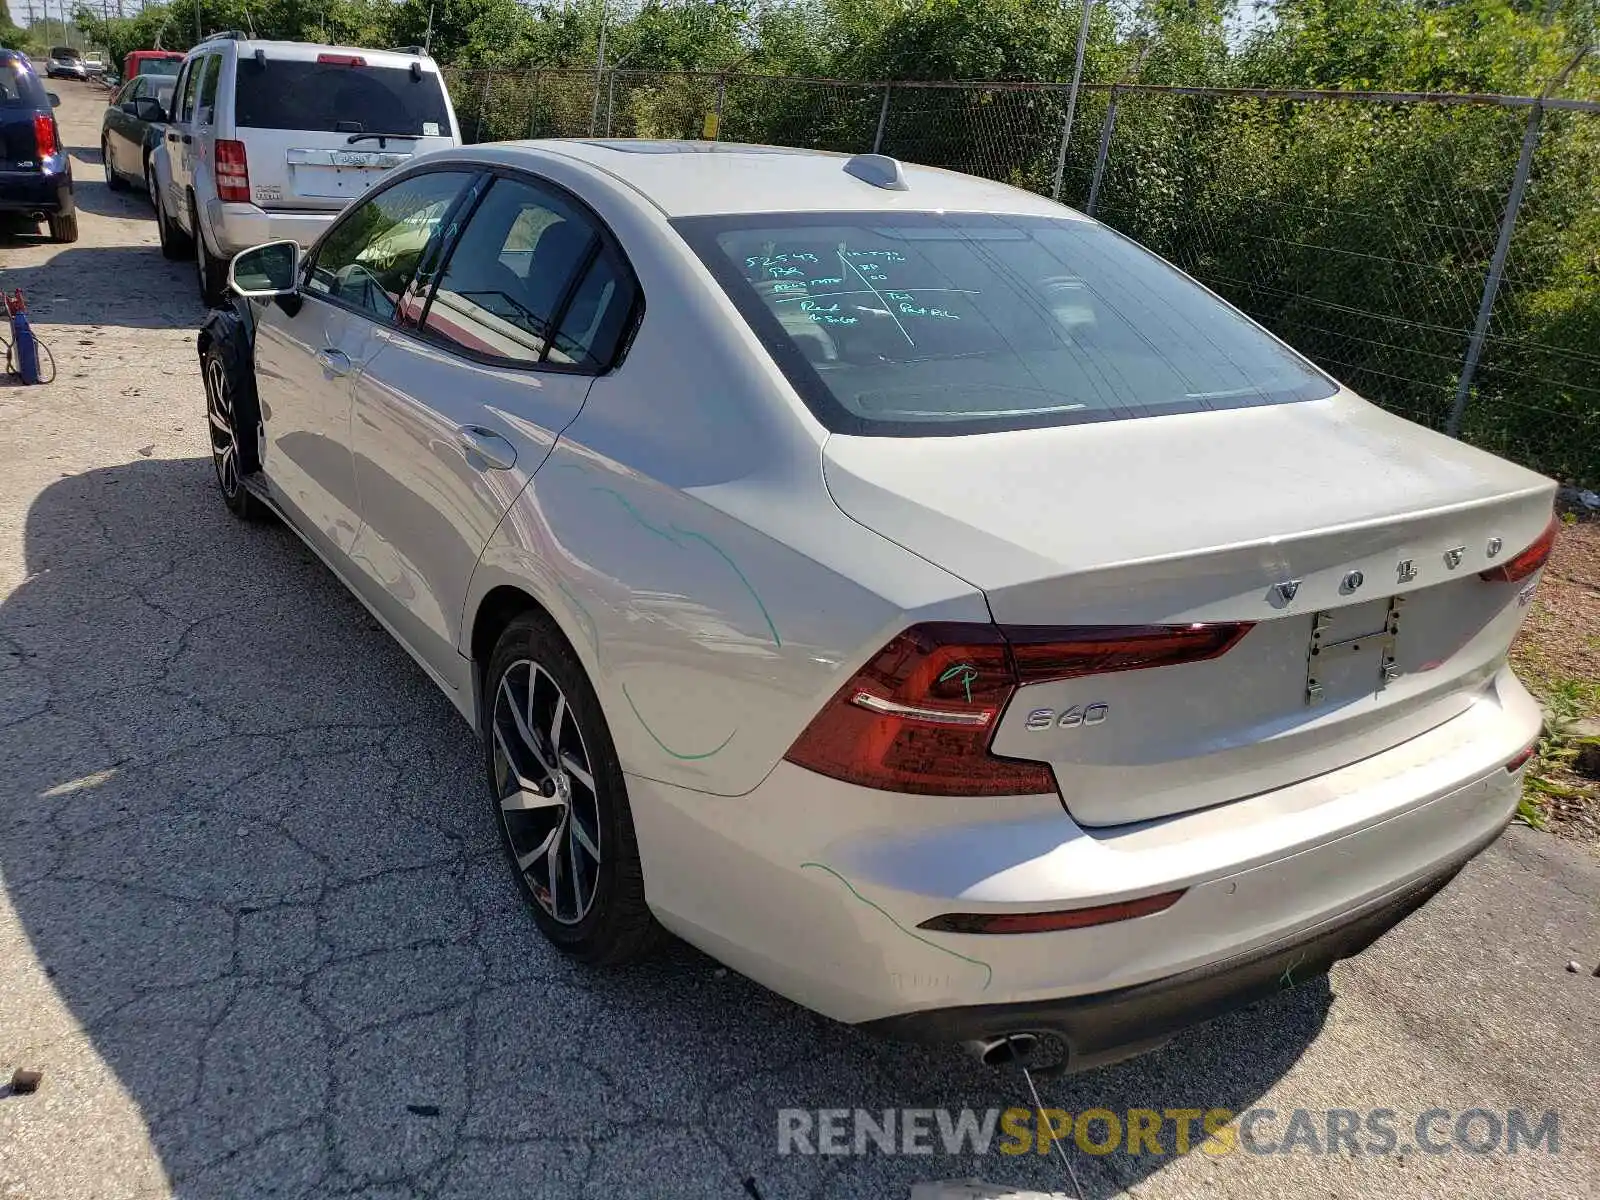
{"type": "Point", "coordinates": [1068, 718]}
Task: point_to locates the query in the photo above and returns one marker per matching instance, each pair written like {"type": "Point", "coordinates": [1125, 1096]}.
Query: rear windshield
{"type": "Point", "coordinates": [159, 66]}
{"type": "Point", "coordinates": [930, 323]}
{"type": "Point", "coordinates": [334, 98]}
{"type": "Point", "coordinates": [20, 87]}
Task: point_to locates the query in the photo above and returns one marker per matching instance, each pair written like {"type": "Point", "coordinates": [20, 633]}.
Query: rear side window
{"type": "Point", "coordinates": [205, 107]}
{"type": "Point", "coordinates": [927, 323]}
{"type": "Point", "coordinates": [528, 283]}
{"type": "Point", "coordinates": [186, 96]}
{"type": "Point", "coordinates": [336, 97]}
{"type": "Point", "coordinates": [160, 66]}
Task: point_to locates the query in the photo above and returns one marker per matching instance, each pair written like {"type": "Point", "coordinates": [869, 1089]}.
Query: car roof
{"type": "Point", "coordinates": [308, 51]}
{"type": "Point", "coordinates": [706, 178]}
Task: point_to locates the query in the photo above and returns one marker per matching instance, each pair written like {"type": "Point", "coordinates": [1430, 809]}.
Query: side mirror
{"type": "Point", "coordinates": [55, 100]}
{"type": "Point", "coordinates": [131, 107]}
{"type": "Point", "coordinates": [147, 109]}
{"type": "Point", "coordinates": [266, 271]}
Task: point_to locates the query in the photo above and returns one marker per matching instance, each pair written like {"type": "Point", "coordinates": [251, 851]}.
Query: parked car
{"type": "Point", "coordinates": [65, 65]}
{"type": "Point", "coordinates": [35, 172]}
{"type": "Point", "coordinates": [270, 140]}
{"type": "Point", "coordinates": [151, 62]}
{"type": "Point", "coordinates": [798, 534]}
{"type": "Point", "coordinates": [131, 130]}
{"type": "Point", "coordinates": [94, 65]}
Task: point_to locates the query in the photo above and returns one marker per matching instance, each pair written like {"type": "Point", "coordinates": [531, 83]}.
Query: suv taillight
{"type": "Point", "coordinates": [233, 172]}
{"type": "Point", "coordinates": [45, 140]}
{"type": "Point", "coordinates": [1526, 563]}
{"type": "Point", "coordinates": [920, 715]}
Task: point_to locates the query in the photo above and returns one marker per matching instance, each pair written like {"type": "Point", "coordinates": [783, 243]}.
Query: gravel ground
{"type": "Point", "coordinates": [255, 930]}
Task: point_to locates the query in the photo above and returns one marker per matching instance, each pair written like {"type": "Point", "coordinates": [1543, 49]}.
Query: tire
{"type": "Point", "coordinates": [210, 272]}
{"type": "Point", "coordinates": [113, 181]}
{"type": "Point", "coordinates": [231, 407]}
{"type": "Point", "coordinates": [615, 925]}
{"type": "Point", "coordinates": [150, 192]}
{"type": "Point", "coordinates": [175, 243]}
{"type": "Point", "coordinates": [64, 228]}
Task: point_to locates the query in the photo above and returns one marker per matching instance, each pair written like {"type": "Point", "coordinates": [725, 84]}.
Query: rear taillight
{"type": "Point", "coordinates": [920, 715]}
{"type": "Point", "coordinates": [233, 172]}
{"type": "Point", "coordinates": [45, 141]}
{"type": "Point", "coordinates": [1526, 563]}
{"type": "Point", "coordinates": [1522, 757]}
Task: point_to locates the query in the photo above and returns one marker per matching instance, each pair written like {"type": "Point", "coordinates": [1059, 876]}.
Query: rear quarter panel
{"type": "Point", "coordinates": [681, 536]}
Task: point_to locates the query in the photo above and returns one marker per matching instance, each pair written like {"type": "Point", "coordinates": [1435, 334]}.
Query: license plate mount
{"type": "Point", "coordinates": [1349, 648]}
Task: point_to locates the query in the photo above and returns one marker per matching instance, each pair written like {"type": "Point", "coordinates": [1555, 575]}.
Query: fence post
{"type": "Point", "coordinates": [883, 119]}
{"type": "Point", "coordinates": [611, 99]}
{"type": "Point", "coordinates": [1100, 154]}
{"type": "Point", "coordinates": [1072, 99]}
{"type": "Point", "coordinates": [483, 105]}
{"type": "Point", "coordinates": [722, 94]}
{"type": "Point", "coordinates": [1491, 286]}
{"type": "Point", "coordinates": [533, 103]}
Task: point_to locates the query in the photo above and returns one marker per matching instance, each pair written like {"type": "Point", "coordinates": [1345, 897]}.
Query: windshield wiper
{"type": "Point", "coordinates": [362, 137]}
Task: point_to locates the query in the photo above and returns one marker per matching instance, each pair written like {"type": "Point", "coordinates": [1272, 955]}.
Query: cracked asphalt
{"type": "Point", "coordinates": [256, 931]}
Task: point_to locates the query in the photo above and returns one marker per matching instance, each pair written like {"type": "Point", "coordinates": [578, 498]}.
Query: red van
{"type": "Point", "coordinates": [151, 62]}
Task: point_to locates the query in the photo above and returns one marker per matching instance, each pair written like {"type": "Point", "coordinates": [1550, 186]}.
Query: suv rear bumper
{"type": "Point", "coordinates": [36, 191]}
{"type": "Point", "coordinates": [1109, 1026]}
{"type": "Point", "coordinates": [235, 227]}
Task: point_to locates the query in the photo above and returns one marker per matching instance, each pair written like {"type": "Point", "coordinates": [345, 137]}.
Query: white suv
{"type": "Point", "coordinates": [269, 140]}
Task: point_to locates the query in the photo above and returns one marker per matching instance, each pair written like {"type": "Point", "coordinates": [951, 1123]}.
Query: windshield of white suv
{"type": "Point", "coordinates": [925, 323]}
{"type": "Point", "coordinates": [342, 96]}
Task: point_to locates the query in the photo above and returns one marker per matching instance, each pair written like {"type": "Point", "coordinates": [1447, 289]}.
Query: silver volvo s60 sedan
{"type": "Point", "coordinates": [905, 589]}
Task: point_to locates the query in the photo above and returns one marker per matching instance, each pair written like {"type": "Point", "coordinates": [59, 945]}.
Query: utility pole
{"type": "Point", "coordinates": [427, 38]}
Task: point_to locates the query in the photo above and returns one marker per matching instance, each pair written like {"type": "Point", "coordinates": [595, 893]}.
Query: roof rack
{"type": "Point", "coordinates": [407, 50]}
{"type": "Point", "coordinates": [228, 35]}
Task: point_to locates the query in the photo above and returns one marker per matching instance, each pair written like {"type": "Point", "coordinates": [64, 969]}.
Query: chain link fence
{"type": "Point", "coordinates": [1440, 254]}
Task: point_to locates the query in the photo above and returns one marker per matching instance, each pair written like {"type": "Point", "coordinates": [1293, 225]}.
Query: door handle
{"type": "Point", "coordinates": [487, 445]}
{"type": "Point", "coordinates": [333, 361]}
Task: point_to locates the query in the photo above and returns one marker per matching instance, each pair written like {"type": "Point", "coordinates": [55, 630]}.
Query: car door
{"type": "Point", "coordinates": [180, 139]}
{"type": "Point", "coordinates": [118, 125]}
{"type": "Point", "coordinates": [309, 351]}
{"type": "Point", "coordinates": [467, 397]}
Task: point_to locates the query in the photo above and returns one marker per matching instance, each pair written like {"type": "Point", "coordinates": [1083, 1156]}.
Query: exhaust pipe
{"type": "Point", "coordinates": [1006, 1050]}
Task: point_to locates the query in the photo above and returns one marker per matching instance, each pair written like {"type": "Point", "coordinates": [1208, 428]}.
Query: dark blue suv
{"type": "Point", "coordinates": [35, 174]}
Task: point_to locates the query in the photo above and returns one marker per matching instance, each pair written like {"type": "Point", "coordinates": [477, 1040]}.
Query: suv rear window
{"type": "Point", "coordinates": [20, 87]}
{"type": "Point", "coordinates": [159, 66]}
{"type": "Point", "coordinates": [339, 98]}
{"type": "Point", "coordinates": [928, 323]}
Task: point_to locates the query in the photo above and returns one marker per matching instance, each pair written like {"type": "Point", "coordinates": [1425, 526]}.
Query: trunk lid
{"type": "Point", "coordinates": [1329, 526]}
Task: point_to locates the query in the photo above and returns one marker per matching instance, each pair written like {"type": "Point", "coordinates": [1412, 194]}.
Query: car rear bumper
{"type": "Point", "coordinates": [1106, 1027]}
{"type": "Point", "coordinates": [36, 191]}
{"type": "Point", "coordinates": [236, 227]}
{"type": "Point", "coordinates": [818, 889]}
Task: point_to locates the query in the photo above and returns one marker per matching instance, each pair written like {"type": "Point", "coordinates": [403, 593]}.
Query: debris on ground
{"type": "Point", "coordinates": [24, 1081]}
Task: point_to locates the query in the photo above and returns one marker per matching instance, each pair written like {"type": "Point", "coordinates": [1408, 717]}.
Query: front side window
{"type": "Point", "coordinates": [927, 323]}
{"type": "Point", "coordinates": [126, 92]}
{"type": "Point", "coordinates": [367, 259]}
{"type": "Point", "coordinates": [513, 281]}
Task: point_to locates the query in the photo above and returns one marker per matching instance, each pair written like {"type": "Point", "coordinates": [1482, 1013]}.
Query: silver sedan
{"type": "Point", "coordinates": [900, 586]}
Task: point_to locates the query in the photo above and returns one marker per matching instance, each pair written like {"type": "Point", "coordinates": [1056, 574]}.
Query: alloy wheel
{"type": "Point", "coordinates": [544, 779]}
{"type": "Point", "coordinates": [219, 414]}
